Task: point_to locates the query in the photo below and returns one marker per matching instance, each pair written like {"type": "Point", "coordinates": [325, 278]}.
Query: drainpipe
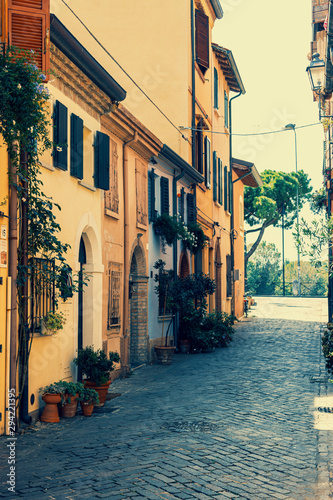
{"type": "Point", "coordinates": [328, 65]}
{"type": "Point", "coordinates": [232, 209]}
{"type": "Point", "coordinates": [12, 272]}
{"type": "Point", "coordinates": [125, 353]}
{"type": "Point", "coordinates": [175, 246]}
{"type": "Point", "coordinates": [193, 84]}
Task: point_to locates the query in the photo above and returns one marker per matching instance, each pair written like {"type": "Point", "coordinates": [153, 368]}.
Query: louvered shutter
{"type": "Point", "coordinates": [215, 184]}
{"type": "Point", "coordinates": [220, 183]}
{"type": "Point", "coordinates": [190, 208]}
{"type": "Point", "coordinates": [151, 195]}
{"type": "Point", "coordinates": [199, 148]}
{"type": "Point", "coordinates": [207, 163]}
{"type": "Point", "coordinates": [226, 110]}
{"type": "Point", "coordinates": [164, 195]}
{"type": "Point", "coordinates": [182, 205]}
{"type": "Point", "coordinates": [102, 161]}
{"type": "Point", "coordinates": [202, 39]}
{"type": "Point", "coordinates": [229, 273]}
{"type": "Point", "coordinates": [216, 89]}
{"type": "Point", "coordinates": [60, 135]}
{"type": "Point", "coordinates": [29, 29]}
{"type": "Point", "coordinates": [225, 188]}
{"type": "Point", "coordinates": [76, 146]}
{"type": "Point", "coordinates": [230, 191]}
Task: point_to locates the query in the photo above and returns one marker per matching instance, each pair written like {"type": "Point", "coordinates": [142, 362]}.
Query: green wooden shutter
{"type": "Point", "coordinates": [216, 89]}
{"type": "Point", "coordinates": [230, 191]}
{"type": "Point", "coordinates": [207, 163]}
{"type": "Point", "coordinates": [164, 195]}
{"type": "Point", "coordinates": [225, 188]}
{"type": "Point", "coordinates": [202, 39]}
{"type": "Point", "coordinates": [214, 176]}
{"type": "Point", "coordinates": [220, 182]}
{"type": "Point", "coordinates": [76, 146]}
{"type": "Point", "coordinates": [226, 110]}
{"type": "Point", "coordinates": [102, 161]}
{"type": "Point", "coordinates": [60, 135]}
{"type": "Point", "coordinates": [190, 208]}
{"type": "Point", "coordinates": [151, 195]}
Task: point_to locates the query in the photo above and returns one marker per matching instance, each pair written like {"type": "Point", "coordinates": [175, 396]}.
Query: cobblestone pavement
{"type": "Point", "coordinates": [248, 422]}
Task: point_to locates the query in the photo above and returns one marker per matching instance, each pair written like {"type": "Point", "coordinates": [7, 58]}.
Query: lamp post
{"type": "Point", "coordinates": [315, 72]}
{"type": "Point", "coordinates": [283, 270]}
{"type": "Point", "coordinates": [292, 126]}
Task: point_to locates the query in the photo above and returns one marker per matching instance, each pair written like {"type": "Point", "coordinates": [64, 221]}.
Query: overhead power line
{"type": "Point", "coordinates": [247, 135]}
{"type": "Point", "coordinates": [123, 70]}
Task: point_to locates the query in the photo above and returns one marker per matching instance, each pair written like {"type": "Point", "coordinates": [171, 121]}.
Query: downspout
{"type": "Point", "coordinates": [330, 249]}
{"type": "Point", "coordinates": [232, 209]}
{"type": "Point", "coordinates": [175, 248]}
{"type": "Point", "coordinates": [126, 333]}
{"type": "Point", "coordinates": [193, 98]}
{"type": "Point", "coordinates": [12, 273]}
{"type": "Point", "coordinates": [328, 65]}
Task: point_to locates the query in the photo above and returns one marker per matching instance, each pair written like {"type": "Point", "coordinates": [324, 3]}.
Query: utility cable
{"type": "Point", "coordinates": [248, 135]}
{"type": "Point", "coordinates": [124, 71]}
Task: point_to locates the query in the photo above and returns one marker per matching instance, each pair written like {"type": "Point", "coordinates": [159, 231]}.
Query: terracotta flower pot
{"type": "Point", "coordinates": [69, 409]}
{"type": "Point", "coordinates": [87, 408]}
{"type": "Point", "coordinates": [164, 354]}
{"type": "Point", "coordinates": [50, 412]}
{"type": "Point", "coordinates": [102, 390]}
{"type": "Point", "coordinates": [184, 346]}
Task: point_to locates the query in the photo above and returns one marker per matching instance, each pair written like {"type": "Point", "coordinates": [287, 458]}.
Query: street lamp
{"type": "Point", "coordinates": [315, 72]}
{"type": "Point", "coordinates": [283, 269]}
{"type": "Point", "coordinates": [292, 126]}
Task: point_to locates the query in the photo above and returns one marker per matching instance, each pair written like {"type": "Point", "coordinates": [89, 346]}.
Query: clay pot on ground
{"type": "Point", "coordinates": [184, 346]}
{"type": "Point", "coordinates": [102, 390]}
{"type": "Point", "coordinates": [164, 354]}
{"type": "Point", "coordinates": [68, 410]}
{"type": "Point", "coordinates": [50, 412]}
{"type": "Point", "coordinates": [87, 408]}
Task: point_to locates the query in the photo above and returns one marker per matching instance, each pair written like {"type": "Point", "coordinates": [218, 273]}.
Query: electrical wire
{"type": "Point", "coordinates": [248, 135]}
{"type": "Point", "coordinates": [124, 71]}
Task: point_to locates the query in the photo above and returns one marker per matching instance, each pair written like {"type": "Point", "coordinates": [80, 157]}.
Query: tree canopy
{"type": "Point", "coordinates": [263, 206]}
{"type": "Point", "coordinates": [264, 270]}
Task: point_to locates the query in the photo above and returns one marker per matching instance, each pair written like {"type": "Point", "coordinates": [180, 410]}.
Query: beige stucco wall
{"type": "Point", "coordinates": [51, 358]}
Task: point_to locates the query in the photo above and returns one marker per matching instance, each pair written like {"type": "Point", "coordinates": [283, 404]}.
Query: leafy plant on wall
{"type": "Point", "coordinates": [25, 127]}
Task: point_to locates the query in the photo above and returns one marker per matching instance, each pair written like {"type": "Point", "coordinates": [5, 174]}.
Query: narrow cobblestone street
{"type": "Point", "coordinates": [248, 422]}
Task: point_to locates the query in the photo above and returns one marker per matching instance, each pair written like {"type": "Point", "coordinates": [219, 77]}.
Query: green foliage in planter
{"type": "Point", "coordinates": [87, 395]}
{"type": "Point", "coordinates": [327, 347]}
{"type": "Point", "coordinates": [55, 388]}
{"type": "Point", "coordinates": [193, 237]}
{"type": "Point", "coordinates": [66, 390]}
{"type": "Point", "coordinates": [54, 321]}
{"type": "Point", "coordinates": [168, 228]}
{"type": "Point", "coordinates": [96, 365]}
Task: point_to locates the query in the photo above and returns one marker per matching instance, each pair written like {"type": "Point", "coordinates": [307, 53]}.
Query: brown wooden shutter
{"type": "Point", "coordinates": [202, 39]}
{"type": "Point", "coordinates": [29, 29]}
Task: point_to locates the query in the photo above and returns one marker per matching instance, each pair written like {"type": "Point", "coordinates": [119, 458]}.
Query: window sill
{"type": "Point", "coordinates": [47, 166]}
{"type": "Point", "coordinates": [87, 186]}
{"type": "Point", "coordinates": [112, 214]}
{"type": "Point", "coordinates": [141, 226]}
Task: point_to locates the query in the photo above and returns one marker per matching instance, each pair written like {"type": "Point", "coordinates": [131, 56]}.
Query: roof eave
{"type": "Point", "coordinates": [233, 66]}
{"type": "Point", "coordinates": [75, 51]}
{"type": "Point", "coordinates": [177, 161]}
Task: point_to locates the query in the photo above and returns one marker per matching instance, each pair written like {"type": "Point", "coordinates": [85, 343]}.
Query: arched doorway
{"type": "Point", "coordinates": [184, 268]}
{"type": "Point", "coordinates": [138, 308]}
{"type": "Point", "coordinates": [218, 277]}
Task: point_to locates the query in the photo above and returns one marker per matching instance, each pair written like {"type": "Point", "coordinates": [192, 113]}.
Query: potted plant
{"type": "Point", "coordinates": [52, 322]}
{"type": "Point", "coordinates": [96, 366]}
{"type": "Point", "coordinates": [51, 395]}
{"type": "Point", "coordinates": [69, 399]}
{"type": "Point", "coordinates": [193, 237]}
{"type": "Point", "coordinates": [168, 228]}
{"type": "Point", "coordinates": [163, 278]}
{"type": "Point", "coordinates": [88, 399]}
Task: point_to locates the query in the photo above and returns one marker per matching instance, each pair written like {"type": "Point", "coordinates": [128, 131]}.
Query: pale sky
{"type": "Point", "coordinates": [270, 42]}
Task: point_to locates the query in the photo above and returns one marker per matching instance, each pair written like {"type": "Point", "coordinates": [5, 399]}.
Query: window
{"type": "Point", "coordinates": [76, 147]}
{"type": "Point", "coordinates": [215, 178]}
{"type": "Point", "coordinates": [29, 29]}
{"type": "Point", "coordinates": [60, 135]}
{"type": "Point", "coordinates": [226, 110]}
{"type": "Point", "coordinates": [207, 163]}
{"type": "Point", "coordinates": [102, 161]}
{"type": "Point", "coordinates": [202, 40]}
{"type": "Point", "coordinates": [216, 89]}
{"type": "Point", "coordinates": [151, 195]}
{"type": "Point", "coordinates": [181, 207]}
{"type": "Point", "coordinates": [199, 146]}
{"type": "Point", "coordinates": [114, 288]}
{"type": "Point", "coordinates": [141, 192]}
{"type": "Point", "coordinates": [229, 283]}
{"type": "Point", "coordinates": [190, 208]}
{"type": "Point", "coordinates": [111, 197]}
{"type": "Point", "coordinates": [220, 184]}
{"type": "Point", "coordinates": [230, 191]}
{"type": "Point", "coordinates": [164, 195]}
{"type": "Point", "coordinates": [42, 291]}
